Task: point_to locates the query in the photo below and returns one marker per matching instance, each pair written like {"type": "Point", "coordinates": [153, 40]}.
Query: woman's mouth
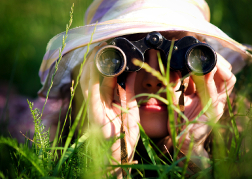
{"type": "Point", "coordinates": [153, 105]}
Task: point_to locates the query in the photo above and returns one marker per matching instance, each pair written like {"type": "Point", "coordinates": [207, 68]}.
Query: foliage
{"type": "Point", "coordinates": [26, 28]}
{"type": "Point", "coordinates": [89, 155]}
{"type": "Point", "coordinates": [230, 16]}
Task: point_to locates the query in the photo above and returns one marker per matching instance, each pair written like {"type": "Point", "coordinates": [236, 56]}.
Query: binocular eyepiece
{"type": "Point", "coordinates": [188, 55]}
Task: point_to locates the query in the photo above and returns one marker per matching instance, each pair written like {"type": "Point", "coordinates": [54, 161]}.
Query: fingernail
{"type": "Point", "coordinates": [186, 85]}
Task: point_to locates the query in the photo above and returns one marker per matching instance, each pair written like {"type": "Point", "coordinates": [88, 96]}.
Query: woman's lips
{"type": "Point", "coordinates": [153, 108]}
{"type": "Point", "coordinates": [153, 105]}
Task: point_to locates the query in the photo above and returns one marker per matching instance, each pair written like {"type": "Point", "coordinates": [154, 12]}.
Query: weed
{"type": "Point", "coordinates": [89, 156]}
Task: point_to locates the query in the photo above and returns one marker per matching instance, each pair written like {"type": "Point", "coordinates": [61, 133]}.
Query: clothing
{"type": "Point", "coordinates": [109, 19]}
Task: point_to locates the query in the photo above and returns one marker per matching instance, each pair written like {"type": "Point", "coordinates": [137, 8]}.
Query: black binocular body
{"type": "Point", "coordinates": [189, 55]}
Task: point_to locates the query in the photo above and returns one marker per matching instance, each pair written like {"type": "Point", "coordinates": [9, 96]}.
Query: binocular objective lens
{"type": "Point", "coordinates": [110, 61]}
{"type": "Point", "coordinates": [201, 59]}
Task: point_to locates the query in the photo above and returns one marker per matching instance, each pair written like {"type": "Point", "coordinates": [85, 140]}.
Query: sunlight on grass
{"type": "Point", "coordinates": [88, 155]}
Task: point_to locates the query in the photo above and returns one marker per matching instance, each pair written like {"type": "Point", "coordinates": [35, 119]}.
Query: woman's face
{"type": "Point", "coordinates": [153, 113]}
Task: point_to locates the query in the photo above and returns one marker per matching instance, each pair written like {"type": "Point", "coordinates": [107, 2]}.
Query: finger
{"type": "Point", "coordinates": [128, 101]}
{"type": "Point", "coordinates": [205, 86]}
{"type": "Point", "coordinates": [84, 79]}
{"type": "Point", "coordinates": [94, 86]}
{"type": "Point", "coordinates": [85, 76]}
{"type": "Point", "coordinates": [107, 89]}
{"type": "Point", "coordinates": [91, 89]}
{"type": "Point", "coordinates": [186, 83]}
{"type": "Point", "coordinates": [133, 117]}
{"type": "Point", "coordinates": [100, 110]}
{"type": "Point", "coordinates": [199, 131]}
{"type": "Point", "coordinates": [206, 89]}
{"type": "Point", "coordinates": [130, 91]}
{"type": "Point", "coordinates": [191, 89]}
{"type": "Point", "coordinates": [222, 61]}
{"type": "Point", "coordinates": [94, 83]}
{"type": "Point", "coordinates": [224, 78]}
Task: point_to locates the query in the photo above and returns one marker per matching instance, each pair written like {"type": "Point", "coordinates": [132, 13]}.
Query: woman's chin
{"type": "Point", "coordinates": [154, 123]}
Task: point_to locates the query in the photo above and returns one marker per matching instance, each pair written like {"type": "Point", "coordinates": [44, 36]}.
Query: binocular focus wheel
{"type": "Point", "coordinates": [110, 61]}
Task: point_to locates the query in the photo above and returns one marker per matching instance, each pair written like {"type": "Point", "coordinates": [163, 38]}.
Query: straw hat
{"type": "Point", "coordinates": [113, 18]}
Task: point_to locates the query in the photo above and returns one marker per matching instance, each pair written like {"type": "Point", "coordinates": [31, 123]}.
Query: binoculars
{"type": "Point", "coordinates": [188, 55]}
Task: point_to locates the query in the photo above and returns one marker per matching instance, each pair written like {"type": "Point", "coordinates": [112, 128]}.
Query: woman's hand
{"type": "Point", "coordinates": [102, 95]}
{"type": "Point", "coordinates": [201, 88]}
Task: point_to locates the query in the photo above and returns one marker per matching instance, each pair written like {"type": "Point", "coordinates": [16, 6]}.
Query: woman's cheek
{"type": "Point", "coordinates": [175, 78]}
{"type": "Point", "coordinates": [116, 96]}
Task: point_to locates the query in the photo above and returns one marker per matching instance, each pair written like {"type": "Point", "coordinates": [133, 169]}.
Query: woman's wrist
{"type": "Point", "coordinates": [198, 158]}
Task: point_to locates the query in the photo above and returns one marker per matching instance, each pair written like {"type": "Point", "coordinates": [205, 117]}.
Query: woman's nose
{"type": "Point", "coordinates": [150, 82]}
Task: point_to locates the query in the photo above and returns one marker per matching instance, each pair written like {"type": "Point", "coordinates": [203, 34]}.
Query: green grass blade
{"type": "Point", "coordinates": [166, 168]}
{"type": "Point", "coordinates": [171, 117]}
{"type": "Point", "coordinates": [235, 142]}
{"type": "Point", "coordinates": [197, 117]}
{"type": "Point", "coordinates": [153, 72]}
{"type": "Point", "coordinates": [161, 65]}
{"type": "Point", "coordinates": [188, 156]}
{"type": "Point", "coordinates": [165, 101]}
{"type": "Point", "coordinates": [78, 79]}
{"type": "Point", "coordinates": [68, 140]}
{"type": "Point", "coordinates": [152, 96]}
{"type": "Point", "coordinates": [147, 145]}
{"type": "Point", "coordinates": [233, 122]}
{"type": "Point", "coordinates": [25, 152]}
{"type": "Point", "coordinates": [165, 157]}
{"type": "Point", "coordinates": [60, 57]}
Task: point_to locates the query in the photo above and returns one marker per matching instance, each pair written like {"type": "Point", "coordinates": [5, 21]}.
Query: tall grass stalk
{"type": "Point", "coordinates": [89, 155]}
{"type": "Point", "coordinates": [60, 56]}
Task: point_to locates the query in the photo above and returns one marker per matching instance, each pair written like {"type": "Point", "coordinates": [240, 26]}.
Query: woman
{"type": "Point", "coordinates": [174, 20]}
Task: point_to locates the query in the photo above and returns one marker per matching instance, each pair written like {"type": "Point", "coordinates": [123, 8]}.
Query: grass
{"type": "Point", "coordinates": [26, 28]}
{"type": "Point", "coordinates": [89, 155]}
